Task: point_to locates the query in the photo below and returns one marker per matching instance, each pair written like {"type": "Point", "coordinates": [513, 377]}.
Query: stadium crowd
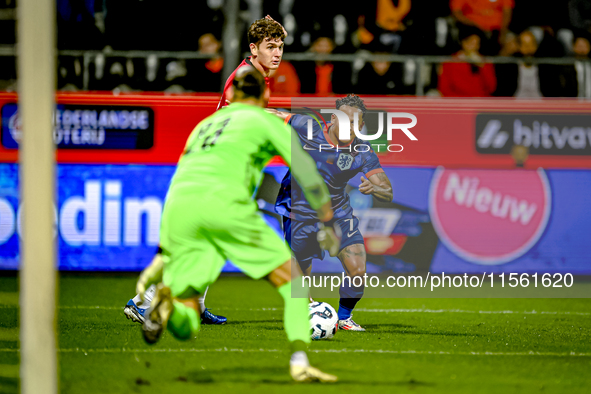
{"type": "Point", "coordinates": [464, 29]}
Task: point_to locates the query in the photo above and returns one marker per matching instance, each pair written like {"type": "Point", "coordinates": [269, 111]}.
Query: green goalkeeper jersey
{"type": "Point", "coordinates": [226, 152]}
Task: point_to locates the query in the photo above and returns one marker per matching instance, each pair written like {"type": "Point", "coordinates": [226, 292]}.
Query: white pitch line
{"type": "Point", "coordinates": [370, 310]}
{"type": "Point", "coordinates": [380, 351]}
{"type": "Point", "coordinates": [110, 308]}
{"type": "Point", "coordinates": [534, 312]}
{"type": "Point", "coordinates": [120, 308]}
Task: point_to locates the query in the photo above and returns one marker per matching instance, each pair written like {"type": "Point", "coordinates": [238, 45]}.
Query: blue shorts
{"type": "Point", "coordinates": [301, 237]}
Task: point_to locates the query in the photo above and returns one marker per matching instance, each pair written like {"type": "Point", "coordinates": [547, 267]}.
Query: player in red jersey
{"type": "Point", "coordinates": [266, 46]}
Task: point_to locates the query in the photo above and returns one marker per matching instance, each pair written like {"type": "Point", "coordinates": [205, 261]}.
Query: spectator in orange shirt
{"type": "Point", "coordinates": [492, 17]}
{"type": "Point", "coordinates": [285, 81]}
{"type": "Point", "coordinates": [323, 77]}
{"type": "Point", "coordinates": [468, 79]}
{"type": "Point", "coordinates": [206, 74]}
{"type": "Point", "coordinates": [324, 46]}
{"type": "Point", "coordinates": [382, 21]}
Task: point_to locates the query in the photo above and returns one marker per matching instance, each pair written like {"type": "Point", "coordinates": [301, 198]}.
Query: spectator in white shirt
{"type": "Point", "coordinates": [581, 49]}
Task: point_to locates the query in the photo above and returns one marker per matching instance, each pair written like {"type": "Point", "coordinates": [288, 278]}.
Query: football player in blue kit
{"type": "Point", "coordinates": [337, 161]}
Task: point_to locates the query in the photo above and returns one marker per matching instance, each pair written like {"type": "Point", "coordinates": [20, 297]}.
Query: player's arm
{"type": "Point", "coordinates": [281, 114]}
{"type": "Point", "coordinates": [378, 185]}
{"type": "Point", "coordinates": [287, 143]}
{"type": "Point", "coordinates": [303, 169]}
{"type": "Point", "coordinates": [375, 182]}
{"type": "Point", "coordinates": [302, 165]}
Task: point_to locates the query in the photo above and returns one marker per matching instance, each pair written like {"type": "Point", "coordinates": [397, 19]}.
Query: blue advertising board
{"type": "Point", "coordinates": [453, 221]}
{"type": "Point", "coordinates": [88, 127]}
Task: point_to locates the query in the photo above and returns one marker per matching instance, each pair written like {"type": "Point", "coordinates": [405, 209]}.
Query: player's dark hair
{"type": "Point", "coordinates": [352, 100]}
{"type": "Point", "coordinates": [264, 28]}
{"type": "Point", "coordinates": [249, 81]}
{"type": "Point", "coordinates": [468, 31]}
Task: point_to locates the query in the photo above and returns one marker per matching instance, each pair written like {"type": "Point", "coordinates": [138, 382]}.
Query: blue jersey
{"type": "Point", "coordinates": [336, 167]}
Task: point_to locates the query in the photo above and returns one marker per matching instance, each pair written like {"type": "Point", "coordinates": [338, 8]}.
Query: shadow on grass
{"type": "Point", "coordinates": [278, 376]}
{"type": "Point", "coordinates": [402, 329]}
{"type": "Point", "coordinates": [413, 383]}
{"type": "Point", "coordinates": [9, 358]}
{"type": "Point", "coordinates": [231, 322]}
{"type": "Point", "coordinates": [384, 326]}
{"type": "Point", "coordinates": [8, 385]}
{"type": "Point", "coordinates": [9, 317]}
{"type": "Point", "coordinates": [8, 344]}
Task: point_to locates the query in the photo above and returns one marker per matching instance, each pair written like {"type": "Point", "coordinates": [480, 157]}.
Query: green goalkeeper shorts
{"type": "Point", "coordinates": [199, 233]}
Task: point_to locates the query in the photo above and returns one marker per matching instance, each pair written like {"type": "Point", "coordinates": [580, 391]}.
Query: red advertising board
{"type": "Point", "coordinates": [454, 133]}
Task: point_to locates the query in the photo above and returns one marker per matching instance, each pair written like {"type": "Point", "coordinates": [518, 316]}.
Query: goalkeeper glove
{"type": "Point", "coordinates": [329, 239]}
{"type": "Point", "coordinates": [152, 274]}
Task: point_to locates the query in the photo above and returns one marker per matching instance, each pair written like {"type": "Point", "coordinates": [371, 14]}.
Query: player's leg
{"type": "Point", "coordinates": [351, 291]}
{"type": "Point", "coordinates": [206, 316]}
{"type": "Point", "coordinates": [191, 262]}
{"type": "Point", "coordinates": [301, 238]}
{"type": "Point", "coordinates": [298, 236]}
{"type": "Point", "coordinates": [188, 271]}
{"type": "Point", "coordinates": [257, 250]}
{"type": "Point", "coordinates": [353, 259]}
{"type": "Point", "coordinates": [297, 325]}
{"type": "Point", "coordinates": [136, 308]}
{"type": "Point", "coordinates": [180, 315]}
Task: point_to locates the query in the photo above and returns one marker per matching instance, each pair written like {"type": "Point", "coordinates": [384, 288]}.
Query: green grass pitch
{"type": "Point", "coordinates": [411, 345]}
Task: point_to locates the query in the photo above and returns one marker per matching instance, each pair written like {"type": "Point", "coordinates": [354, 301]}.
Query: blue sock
{"type": "Point", "coordinates": [350, 295]}
{"type": "Point", "coordinates": [344, 312]}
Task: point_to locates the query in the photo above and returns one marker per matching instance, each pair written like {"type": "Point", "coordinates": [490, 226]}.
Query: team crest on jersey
{"type": "Point", "coordinates": [344, 161]}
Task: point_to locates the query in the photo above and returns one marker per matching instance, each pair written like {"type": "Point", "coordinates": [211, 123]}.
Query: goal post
{"type": "Point", "coordinates": [36, 88]}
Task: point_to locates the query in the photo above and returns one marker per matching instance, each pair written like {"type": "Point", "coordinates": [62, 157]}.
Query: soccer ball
{"type": "Point", "coordinates": [324, 321]}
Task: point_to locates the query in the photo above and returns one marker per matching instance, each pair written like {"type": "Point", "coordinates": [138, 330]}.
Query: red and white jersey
{"type": "Point", "coordinates": [245, 62]}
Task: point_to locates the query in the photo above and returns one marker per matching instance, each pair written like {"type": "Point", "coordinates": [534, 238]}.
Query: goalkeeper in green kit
{"type": "Point", "coordinates": [209, 216]}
